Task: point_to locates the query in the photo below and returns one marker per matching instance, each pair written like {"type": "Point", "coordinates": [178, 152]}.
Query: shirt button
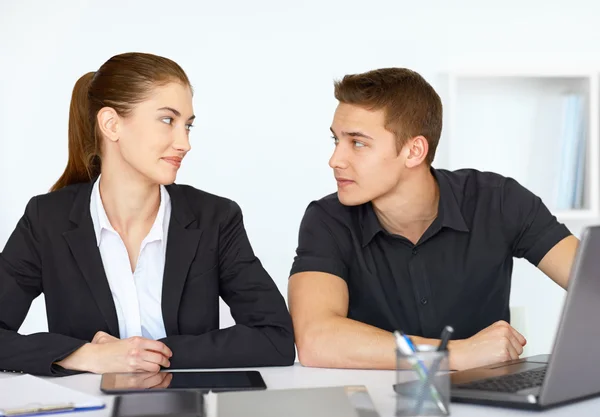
{"type": "Point", "coordinates": [423, 300]}
{"type": "Point", "coordinates": [414, 251]}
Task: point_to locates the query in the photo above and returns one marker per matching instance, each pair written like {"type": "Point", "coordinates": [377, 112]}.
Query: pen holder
{"type": "Point", "coordinates": [422, 383]}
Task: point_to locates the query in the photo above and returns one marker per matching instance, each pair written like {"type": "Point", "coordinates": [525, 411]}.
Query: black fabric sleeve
{"type": "Point", "coordinates": [530, 227]}
{"type": "Point", "coordinates": [20, 284]}
{"type": "Point", "coordinates": [263, 334]}
{"type": "Point", "coordinates": [319, 248]}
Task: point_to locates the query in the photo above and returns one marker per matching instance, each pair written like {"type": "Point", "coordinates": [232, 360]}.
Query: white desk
{"type": "Point", "coordinates": [379, 384]}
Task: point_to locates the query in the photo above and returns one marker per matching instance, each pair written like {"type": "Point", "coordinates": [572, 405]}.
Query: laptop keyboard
{"type": "Point", "coordinates": [508, 383]}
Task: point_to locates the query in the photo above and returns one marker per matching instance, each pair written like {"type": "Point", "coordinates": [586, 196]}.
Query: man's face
{"type": "Point", "coordinates": [366, 162]}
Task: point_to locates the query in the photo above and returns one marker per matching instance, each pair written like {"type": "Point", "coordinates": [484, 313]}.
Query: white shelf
{"type": "Point", "coordinates": [508, 121]}
{"type": "Point", "coordinates": [531, 72]}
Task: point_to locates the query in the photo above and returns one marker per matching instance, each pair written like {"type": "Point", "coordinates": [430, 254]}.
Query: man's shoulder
{"type": "Point", "coordinates": [331, 202]}
{"type": "Point", "coordinates": [469, 181]}
{"type": "Point", "coordinates": [330, 207]}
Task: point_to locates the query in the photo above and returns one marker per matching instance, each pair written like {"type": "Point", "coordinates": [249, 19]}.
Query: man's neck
{"type": "Point", "coordinates": [411, 207]}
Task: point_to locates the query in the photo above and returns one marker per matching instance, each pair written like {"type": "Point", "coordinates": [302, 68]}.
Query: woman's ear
{"type": "Point", "coordinates": [108, 123]}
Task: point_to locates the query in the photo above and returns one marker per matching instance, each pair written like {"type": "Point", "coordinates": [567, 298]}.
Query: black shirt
{"type": "Point", "coordinates": [458, 273]}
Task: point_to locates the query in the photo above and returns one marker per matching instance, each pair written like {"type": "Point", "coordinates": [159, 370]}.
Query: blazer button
{"type": "Point", "coordinates": [423, 300]}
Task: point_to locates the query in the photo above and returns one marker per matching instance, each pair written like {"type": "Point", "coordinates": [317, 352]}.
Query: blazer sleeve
{"type": "Point", "coordinates": [263, 333]}
{"type": "Point", "coordinates": [20, 284]}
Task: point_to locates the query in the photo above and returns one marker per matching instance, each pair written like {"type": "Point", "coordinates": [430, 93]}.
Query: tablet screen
{"type": "Point", "coordinates": [173, 380]}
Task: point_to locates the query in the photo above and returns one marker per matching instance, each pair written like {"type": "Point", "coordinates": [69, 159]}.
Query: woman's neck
{"type": "Point", "coordinates": [129, 201]}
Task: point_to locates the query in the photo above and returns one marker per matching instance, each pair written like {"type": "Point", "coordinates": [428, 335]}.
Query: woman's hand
{"type": "Point", "coordinates": [108, 354]}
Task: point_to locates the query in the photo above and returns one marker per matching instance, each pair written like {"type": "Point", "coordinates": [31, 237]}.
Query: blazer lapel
{"type": "Point", "coordinates": [83, 245]}
{"type": "Point", "coordinates": [182, 244]}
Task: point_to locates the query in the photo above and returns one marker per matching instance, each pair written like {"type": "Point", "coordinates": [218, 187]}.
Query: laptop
{"type": "Point", "coordinates": [572, 372]}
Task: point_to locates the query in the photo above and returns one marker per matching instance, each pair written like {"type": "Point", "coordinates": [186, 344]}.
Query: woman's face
{"type": "Point", "coordinates": [153, 138]}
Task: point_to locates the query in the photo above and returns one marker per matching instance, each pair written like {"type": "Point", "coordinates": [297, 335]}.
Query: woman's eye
{"type": "Point", "coordinates": [167, 120]}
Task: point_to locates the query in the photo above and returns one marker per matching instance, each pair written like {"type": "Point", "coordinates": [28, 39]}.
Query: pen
{"type": "Point", "coordinates": [407, 348]}
{"type": "Point", "coordinates": [445, 338]}
{"type": "Point", "coordinates": [37, 408]}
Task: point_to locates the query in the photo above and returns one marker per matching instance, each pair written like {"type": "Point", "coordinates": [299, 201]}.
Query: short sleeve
{"type": "Point", "coordinates": [531, 229]}
{"type": "Point", "coordinates": [319, 244]}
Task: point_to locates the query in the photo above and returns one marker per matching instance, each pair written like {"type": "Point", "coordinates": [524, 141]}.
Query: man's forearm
{"type": "Point", "coordinates": [344, 343]}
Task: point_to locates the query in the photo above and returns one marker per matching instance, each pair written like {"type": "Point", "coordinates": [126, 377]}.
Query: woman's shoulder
{"type": "Point", "coordinates": [203, 203]}
{"type": "Point", "coordinates": [60, 199]}
{"type": "Point", "coordinates": [53, 210]}
{"type": "Point", "coordinates": [197, 196]}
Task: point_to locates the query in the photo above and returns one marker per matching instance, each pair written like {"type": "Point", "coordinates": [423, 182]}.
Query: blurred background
{"type": "Point", "coordinates": [518, 80]}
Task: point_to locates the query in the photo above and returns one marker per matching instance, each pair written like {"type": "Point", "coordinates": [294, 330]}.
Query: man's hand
{"type": "Point", "coordinates": [499, 342]}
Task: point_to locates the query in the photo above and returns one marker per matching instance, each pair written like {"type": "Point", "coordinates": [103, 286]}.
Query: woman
{"type": "Point", "coordinates": [132, 265]}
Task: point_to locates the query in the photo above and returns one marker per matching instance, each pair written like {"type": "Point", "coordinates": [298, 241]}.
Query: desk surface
{"type": "Point", "coordinates": [379, 384]}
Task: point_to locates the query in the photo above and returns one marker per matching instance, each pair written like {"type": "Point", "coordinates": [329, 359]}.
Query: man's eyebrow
{"type": "Point", "coordinates": [357, 134]}
{"type": "Point", "coordinates": [354, 134]}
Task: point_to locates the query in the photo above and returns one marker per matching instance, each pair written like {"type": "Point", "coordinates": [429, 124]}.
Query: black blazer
{"type": "Point", "coordinates": [53, 250]}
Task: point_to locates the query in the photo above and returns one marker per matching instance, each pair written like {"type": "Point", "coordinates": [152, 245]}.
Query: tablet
{"type": "Point", "coordinates": [216, 381]}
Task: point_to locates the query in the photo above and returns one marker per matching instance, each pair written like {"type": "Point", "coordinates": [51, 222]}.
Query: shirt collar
{"type": "Point", "coordinates": [157, 232]}
{"type": "Point", "coordinates": [101, 222]}
{"type": "Point", "coordinates": [449, 213]}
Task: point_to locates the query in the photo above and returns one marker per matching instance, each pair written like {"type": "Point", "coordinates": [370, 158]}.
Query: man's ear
{"type": "Point", "coordinates": [417, 149]}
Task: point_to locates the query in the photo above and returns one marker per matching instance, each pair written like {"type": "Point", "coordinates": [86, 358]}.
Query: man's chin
{"type": "Point", "coordinates": [351, 200]}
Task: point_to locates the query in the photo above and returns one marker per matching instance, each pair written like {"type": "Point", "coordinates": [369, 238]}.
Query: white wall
{"type": "Point", "coordinates": [262, 73]}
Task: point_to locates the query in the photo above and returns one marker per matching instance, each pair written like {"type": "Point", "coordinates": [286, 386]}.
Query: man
{"type": "Point", "coordinates": [403, 246]}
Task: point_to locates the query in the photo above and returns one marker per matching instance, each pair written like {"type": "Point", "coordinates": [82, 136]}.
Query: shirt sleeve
{"type": "Point", "coordinates": [319, 248]}
{"type": "Point", "coordinates": [531, 229]}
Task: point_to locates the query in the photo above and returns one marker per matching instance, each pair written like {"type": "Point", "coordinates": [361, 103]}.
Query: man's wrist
{"type": "Point", "coordinates": [454, 358]}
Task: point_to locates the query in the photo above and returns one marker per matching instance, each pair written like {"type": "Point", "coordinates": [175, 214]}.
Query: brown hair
{"type": "Point", "coordinates": [412, 107]}
{"type": "Point", "coordinates": [121, 82]}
